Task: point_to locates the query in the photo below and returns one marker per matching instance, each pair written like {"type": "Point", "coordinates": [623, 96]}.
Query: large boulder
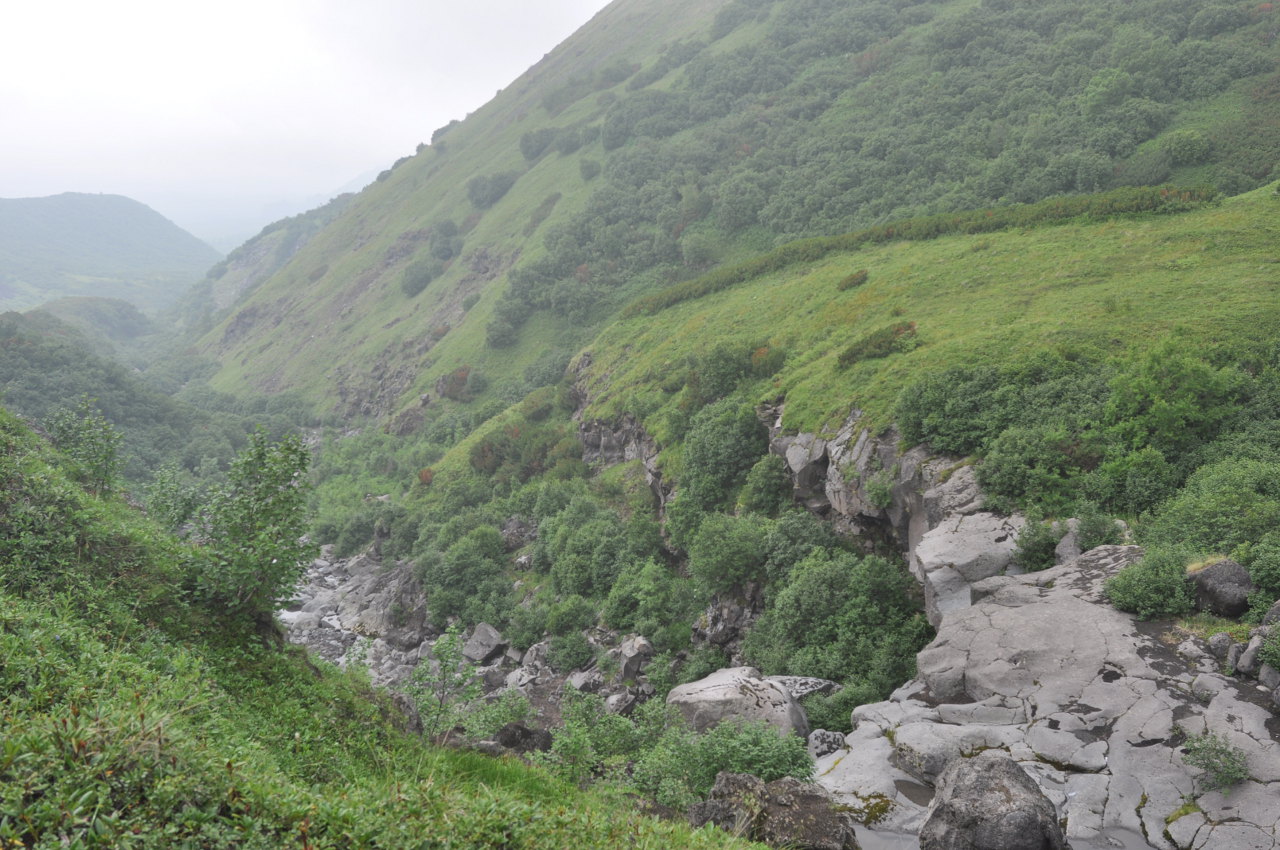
{"type": "Point", "coordinates": [783, 813]}
{"type": "Point", "coordinates": [988, 802]}
{"type": "Point", "coordinates": [484, 645]}
{"type": "Point", "coordinates": [739, 692]}
{"type": "Point", "coordinates": [961, 551]}
{"type": "Point", "coordinates": [1223, 588]}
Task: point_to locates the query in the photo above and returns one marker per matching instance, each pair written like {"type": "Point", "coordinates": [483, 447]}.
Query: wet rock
{"type": "Point", "coordinates": [782, 813]}
{"type": "Point", "coordinates": [738, 692]}
{"type": "Point", "coordinates": [988, 802]}
{"type": "Point", "coordinates": [1223, 588]}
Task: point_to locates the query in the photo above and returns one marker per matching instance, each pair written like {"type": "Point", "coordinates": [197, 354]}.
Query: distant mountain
{"type": "Point", "coordinates": [102, 245]}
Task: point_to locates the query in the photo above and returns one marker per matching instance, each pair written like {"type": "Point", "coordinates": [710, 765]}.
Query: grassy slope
{"type": "Point", "coordinates": [129, 717]}
{"type": "Point", "coordinates": [1116, 287]}
{"type": "Point", "coordinates": [335, 318]}
{"type": "Point", "coordinates": [358, 303]}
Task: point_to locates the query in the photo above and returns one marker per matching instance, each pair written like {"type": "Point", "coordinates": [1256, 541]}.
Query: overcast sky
{"type": "Point", "coordinates": [224, 116]}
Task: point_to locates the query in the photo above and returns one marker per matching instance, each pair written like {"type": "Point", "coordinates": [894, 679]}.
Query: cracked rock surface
{"type": "Point", "coordinates": [1091, 703]}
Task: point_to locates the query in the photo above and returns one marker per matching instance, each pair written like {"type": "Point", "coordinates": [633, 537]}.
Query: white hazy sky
{"type": "Point", "coordinates": [224, 116]}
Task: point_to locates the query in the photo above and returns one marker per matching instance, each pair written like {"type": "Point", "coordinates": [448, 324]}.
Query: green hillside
{"type": "Point", "coordinates": [100, 245]}
{"type": "Point", "coordinates": [660, 141]}
{"type": "Point", "coordinates": [135, 712]}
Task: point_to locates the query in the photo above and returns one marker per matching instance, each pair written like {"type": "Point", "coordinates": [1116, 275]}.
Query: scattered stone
{"type": "Point", "coordinates": [1269, 677]}
{"type": "Point", "coordinates": [1272, 615]}
{"type": "Point", "coordinates": [1223, 588]}
{"type": "Point", "coordinates": [738, 692]}
{"type": "Point", "coordinates": [1248, 661]}
{"type": "Point", "coordinates": [587, 681]}
{"type": "Point", "coordinates": [1068, 548]}
{"type": "Point", "coordinates": [1220, 645]}
{"type": "Point", "coordinates": [632, 655]}
{"type": "Point", "coordinates": [988, 802]}
{"type": "Point", "coordinates": [783, 813]}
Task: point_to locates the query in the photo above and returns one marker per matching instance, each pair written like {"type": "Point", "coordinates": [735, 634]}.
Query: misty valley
{"type": "Point", "coordinates": [794, 423]}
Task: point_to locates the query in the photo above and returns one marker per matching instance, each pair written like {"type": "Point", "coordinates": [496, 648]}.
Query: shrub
{"type": "Point", "coordinates": [89, 441]}
{"type": "Point", "coordinates": [1037, 542]}
{"type": "Point", "coordinates": [486, 190]}
{"type": "Point", "coordinates": [1155, 587]}
{"type": "Point", "coordinates": [725, 439]}
{"type": "Point", "coordinates": [768, 487]}
{"type": "Point", "coordinates": [418, 274]}
{"type": "Point", "coordinates": [1222, 506]}
{"type": "Point", "coordinates": [570, 652]}
{"type": "Point", "coordinates": [851, 281]}
{"type": "Point", "coordinates": [900, 337]}
{"type": "Point", "coordinates": [728, 551]}
{"type": "Point", "coordinates": [253, 529]}
{"type": "Point", "coordinates": [1095, 528]}
{"type": "Point", "coordinates": [682, 766]}
{"type": "Point", "coordinates": [1223, 764]}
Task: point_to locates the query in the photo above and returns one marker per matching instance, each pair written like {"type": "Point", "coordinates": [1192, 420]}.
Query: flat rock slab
{"type": "Point", "coordinates": [1091, 703]}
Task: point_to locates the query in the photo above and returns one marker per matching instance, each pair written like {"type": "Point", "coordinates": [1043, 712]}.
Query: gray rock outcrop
{"type": "Point", "coordinates": [988, 802]}
{"type": "Point", "coordinates": [783, 813]}
{"type": "Point", "coordinates": [739, 692]}
{"type": "Point", "coordinates": [1091, 703]}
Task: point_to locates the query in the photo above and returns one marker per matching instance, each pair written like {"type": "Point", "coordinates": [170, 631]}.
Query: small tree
{"type": "Point", "coordinates": [441, 686]}
{"type": "Point", "coordinates": [84, 435]}
{"type": "Point", "coordinates": [253, 529]}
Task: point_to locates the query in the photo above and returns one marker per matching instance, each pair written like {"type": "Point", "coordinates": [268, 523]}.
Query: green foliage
{"type": "Point", "coordinates": [725, 440]}
{"type": "Point", "coordinates": [466, 579]}
{"type": "Point", "coordinates": [852, 281]}
{"type": "Point", "coordinates": [728, 551]}
{"type": "Point", "coordinates": [1036, 543]}
{"type": "Point", "coordinates": [418, 274]}
{"type": "Point", "coordinates": [485, 190]}
{"type": "Point", "coordinates": [1185, 147]}
{"type": "Point", "coordinates": [252, 529]}
{"type": "Point", "coordinates": [768, 487]}
{"type": "Point", "coordinates": [484, 720]}
{"type": "Point", "coordinates": [1154, 588]}
{"type": "Point", "coordinates": [1222, 506]}
{"type": "Point", "coordinates": [1263, 562]}
{"type": "Point", "coordinates": [1224, 765]}
{"type": "Point", "coordinates": [172, 498]}
{"type": "Point", "coordinates": [1036, 464]}
{"type": "Point", "coordinates": [651, 600]}
{"type": "Point", "coordinates": [1170, 400]}
{"type": "Point", "coordinates": [444, 685]}
{"type": "Point", "coordinates": [843, 618]}
{"type": "Point", "coordinates": [680, 768]}
{"type": "Point", "coordinates": [1095, 528]}
{"type": "Point", "coordinates": [570, 651]}
{"type": "Point", "coordinates": [891, 339]}
{"type": "Point", "coordinates": [89, 441]}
